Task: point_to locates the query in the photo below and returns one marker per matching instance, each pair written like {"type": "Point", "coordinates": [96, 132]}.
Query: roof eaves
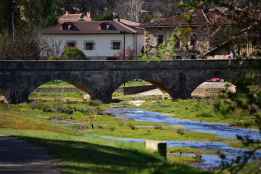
{"type": "Point", "coordinates": [126, 27]}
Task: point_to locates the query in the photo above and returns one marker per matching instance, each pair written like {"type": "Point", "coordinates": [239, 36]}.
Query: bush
{"type": "Point", "coordinates": [224, 106]}
{"type": "Point", "coordinates": [25, 47]}
{"type": "Point", "coordinates": [54, 58]}
{"type": "Point", "coordinates": [73, 54]}
{"type": "Point", "coordinates": [131, 126]}
{"type": "Point", "coordinates": [181, 131]}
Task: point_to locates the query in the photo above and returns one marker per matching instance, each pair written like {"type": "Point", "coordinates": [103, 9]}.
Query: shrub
{"type": "Point", "coordinates": [54, 58]}
{"type": "Point", "coordinates": [25, 47]}
{"type": "Point", "coordinates": [131, 126]}
{"type": "Point", "coordinates": [180, 131]}
{"type": "Point", "coordinates": [224, 106]}
{"type": "Point", "coordinates": [73, 54]}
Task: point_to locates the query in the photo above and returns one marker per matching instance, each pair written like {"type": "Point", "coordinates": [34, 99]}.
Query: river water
{"type": "Point", "coordinates": [208, 161]}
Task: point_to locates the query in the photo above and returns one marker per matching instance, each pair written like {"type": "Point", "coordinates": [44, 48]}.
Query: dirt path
{"type": "Point", "coordinates": [20, 157]}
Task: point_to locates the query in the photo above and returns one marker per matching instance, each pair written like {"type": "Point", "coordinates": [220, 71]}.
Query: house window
{"type": "Point", "coordinates": [160, 39]}
{"type": "Point", "coordinates": [69, 26]}
{"type": "Point", "coordinates": [116, 45]}
{"type": "Point", "coordinates": [107, 26]}
{"type": "Point", "coordinates": [71, 44]}
{"type": "Point", "coordinates": [89, 45]}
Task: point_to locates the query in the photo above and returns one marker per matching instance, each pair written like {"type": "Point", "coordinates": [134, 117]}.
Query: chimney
{"type": "Point", "coordinates": [67, 13]}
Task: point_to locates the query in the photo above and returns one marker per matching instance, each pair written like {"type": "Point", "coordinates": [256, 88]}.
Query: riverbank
{"type": "Point", "coordinates": [79, 147]}
{"type": "Point", "coordinates": [67, 123]}
{"type": "Point", "coordinates": [199, 110]}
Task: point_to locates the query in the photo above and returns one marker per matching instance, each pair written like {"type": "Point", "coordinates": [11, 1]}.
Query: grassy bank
{"type": "Point", "coordinates": [80, 149]}
{"type": "Point", "coordinates": [73, 132]}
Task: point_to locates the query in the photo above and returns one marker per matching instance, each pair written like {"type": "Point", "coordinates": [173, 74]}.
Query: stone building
{"type": "Point", "coordinates": [206, 33]}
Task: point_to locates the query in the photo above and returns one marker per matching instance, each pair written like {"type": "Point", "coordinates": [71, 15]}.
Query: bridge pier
{"type": "Point", "coordinates": [101, 96]}
{"type": "Point", "coordinates": [14, 96]}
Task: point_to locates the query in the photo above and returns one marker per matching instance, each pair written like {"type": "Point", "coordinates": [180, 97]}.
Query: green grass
{"type": "Point", "coordinates": [57, 84]}
{"type": "Point", "coordinates": [136, 83]}
{"type": "Point", "coordinates": [82, 152]}
{"type": "Point", "coordinates": [86, 115]}
{"type": "Point", "coordinates": [82, 149]}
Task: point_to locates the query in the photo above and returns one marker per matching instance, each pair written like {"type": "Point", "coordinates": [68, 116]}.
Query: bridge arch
{"type": "Point", "coordinates": [101, 78]}
{"type": "Point", "coordinates": [160, 80]}
{"type": "Point", "coordinates": [228, 77]}
{"type": "Point", "coordinates": [21, 89]}
{"type": "Point", "coordinates": [58, 90]}
{"type": "Point", "coordinates": [137, 86]}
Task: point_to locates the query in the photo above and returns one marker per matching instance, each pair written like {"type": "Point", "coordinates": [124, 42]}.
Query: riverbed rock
{"type": "Point", "coordinates": [3, 100]}
{"type": "Point", "coordinates": [137, 102]}
{"type": "Point", "coordinates": [86, 97]}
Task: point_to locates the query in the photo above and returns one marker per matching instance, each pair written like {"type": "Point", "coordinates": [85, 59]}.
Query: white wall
{"type": "Point", "coordinates": [140, 43]}
{"type": "Point", "coordinates": [102, 42]}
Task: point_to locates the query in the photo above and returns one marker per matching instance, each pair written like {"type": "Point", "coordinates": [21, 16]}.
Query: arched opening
{"type": "Point", "coordinates": [58, 90]}
{"type": "Point", "coordinates": [139, 90]}
{"type": "Point", "coordinates": [213, 87]}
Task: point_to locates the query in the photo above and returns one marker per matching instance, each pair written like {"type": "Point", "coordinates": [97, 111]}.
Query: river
{"type": "Point", "coordinates": [209, 161]}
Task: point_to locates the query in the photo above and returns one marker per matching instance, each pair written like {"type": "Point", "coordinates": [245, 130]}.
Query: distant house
{"type": "Point", "coordinates": [117, 39]}
{"type": "Point", "coordinates": [207, 35]}
{"type": "Point", "coordinates": [158, 31]}
{"type": "Point", "coordinates": [74, 17]}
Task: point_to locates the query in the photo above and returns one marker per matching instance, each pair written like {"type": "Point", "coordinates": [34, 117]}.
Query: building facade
{"type": "Point", "coordinates": [98, 40]}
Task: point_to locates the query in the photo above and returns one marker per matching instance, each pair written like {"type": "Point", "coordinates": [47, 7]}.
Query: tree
{"type": "Point", "coordinates": [130, 9]}
{"type": "Point", "coordinates": [39, 13]}
{"type": "Point", "coordinates": [5, 15]}
{"type": "Point", "coordinates": [30, 14]}
{"type": "Point", "coordinates": [245, 14]}
{"type": "Point", "coordinates": [248, 99]}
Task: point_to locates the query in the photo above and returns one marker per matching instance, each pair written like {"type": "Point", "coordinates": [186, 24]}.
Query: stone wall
{"type": "Point", "coordinates": [18, 79]}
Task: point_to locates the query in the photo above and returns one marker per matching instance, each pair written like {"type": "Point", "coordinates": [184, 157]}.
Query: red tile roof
{"type": "Point", "coordinates": [74, 17]}
{"type": "Point", "coordinates": [91, 27]}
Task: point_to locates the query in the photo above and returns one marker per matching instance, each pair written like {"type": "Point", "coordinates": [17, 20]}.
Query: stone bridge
{"type": "Point", "coordinates": [18, 79]}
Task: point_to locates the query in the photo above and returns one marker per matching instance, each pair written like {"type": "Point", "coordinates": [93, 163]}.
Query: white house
{"type": "Point", "coordinates": [118, 39]}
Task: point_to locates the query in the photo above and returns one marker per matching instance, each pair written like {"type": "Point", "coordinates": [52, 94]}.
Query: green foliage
{"type": "Point", "coordinates": [73, 54]}
{"type": "Point", "coordinates": [39, 13]}
{"type": "Point", "coordinates": [105, 17]}
{"type": "Point", "coordinates": [225, 106]}
{"type": "Point", "coordinates": [167, 50]}
{"type": "Point", "coordinates": [4, 15]}
{"type": "Point", "coordinates": [54, 58]}
{"type": "Point", "coordinates": [30, 14]}
{"type": "Point", "coordinates": [69, 109]}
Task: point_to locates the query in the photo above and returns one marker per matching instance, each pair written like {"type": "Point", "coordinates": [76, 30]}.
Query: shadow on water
{"type": "Point", "coordinates": [82, 157]}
